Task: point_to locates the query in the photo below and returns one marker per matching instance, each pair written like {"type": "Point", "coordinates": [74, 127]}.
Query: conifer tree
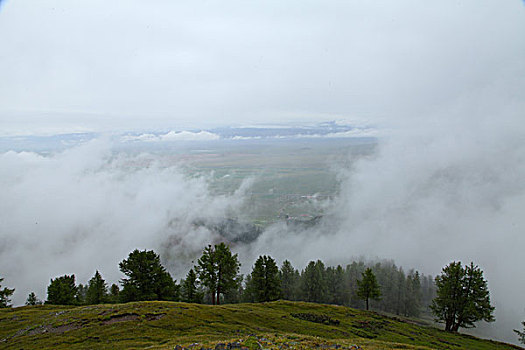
{"type": "Point", "coordinates": [248, 295]}
{"type": "Point", "coordinates": [114, 292]}
{"type": "Point", "coordinates": [5, 295]}
{"type": "Point", "coordinates": [33, 300]}
{"type": "Point", "coordinates": [313, 282]}
{"type": "Point", "coordinates": [62, 291]}
{"type": "Point", "coordinates": [353, 272]}
{"type": "Point", "coordinates": [97, 291]}
{"type": "Point", "coordinates": [368, 288]}
{"type": "Point", "coordinates": [207, 271]}
{"type": "Point", "coordinates": [290, 279]}
{"type": "Point", "coordinates": [189, 289]}
{"type": "Point", "coordinates": [428, 291]}
{"type": "Point", "coordinates": [218, 270]}
{"type": "Point", "coordinates": [228, 265]}
{"type": "Point", "coordinates": [400, 292]}
{"type": "Point", "coordinates": [234, 295]}
{"type": "Point", "coordinates": [335, 285]}
{"type": "Point", "coordinates": [412, 302]}
{"type": "Point", "coordinates": [520, 334]}
{"type": "Point", "coordinates": [462, 297]}
{"type": "Point", "coordinates": [266, 285]}
{"type": "Point", "coordinates": [80, 297]}
{"type": "Point", "coordinates": [146, 278]}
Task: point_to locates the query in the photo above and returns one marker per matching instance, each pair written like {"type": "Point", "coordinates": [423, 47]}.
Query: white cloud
{"type": "Point", "coordinates": [240, 138]}
{"type": "Point", "coordinates": [189, 136]}
{"type": "Point", "coordinates": [173, 136]}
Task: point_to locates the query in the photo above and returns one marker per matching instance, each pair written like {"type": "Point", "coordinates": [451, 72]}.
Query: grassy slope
{"type": "Point", "coordinates": [162, 325]}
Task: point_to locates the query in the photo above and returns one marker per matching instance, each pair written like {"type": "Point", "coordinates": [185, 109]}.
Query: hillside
{"type": "Point", "coordinates": [164, 325]}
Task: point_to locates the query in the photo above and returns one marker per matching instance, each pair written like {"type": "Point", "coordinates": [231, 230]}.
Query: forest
{"type": "Point", "coordinates": [458, 297]}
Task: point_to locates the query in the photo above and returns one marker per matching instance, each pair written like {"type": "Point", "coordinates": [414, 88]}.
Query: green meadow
{"type": "Point", "coordinates": [275, 325]}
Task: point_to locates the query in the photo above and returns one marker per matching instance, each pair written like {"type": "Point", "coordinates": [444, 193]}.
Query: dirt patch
{"type": "Point", "coordinates": [46, 329]}
{"type": "Point", "coordinates": [154, 317]}
{"type": "Point", "coordinates": [121, 318]}
{"type": "Point", "coordinates": [64, 328]}
{"type": "Point", "coordinates": [132, 317]}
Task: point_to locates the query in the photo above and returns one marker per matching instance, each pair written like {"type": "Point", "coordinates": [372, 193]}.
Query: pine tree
{"type": "Point", "coordinates": [265, 280]}
{"type": "Point", "coordinates": [290, 278]}
{"type": "Point", "coordinates": [313, 284]}
{"type": "Point", "coordinates": [5, 296]}
{"type": "Point", "coordinates": [428, 291]}
{"type": "Point", "coordinates": [97, 291]}
{"type": "Point", "coordinates": [248, 295]}
{"type": "Point", "coordinates": [207, 271]}
{"type": "Point", "coordinates": [462, 297]}
{"type": "Point", "coordinates": [412, 302]}
{"type": "Point", "coordinates": [400, 292]}
{"type": "Point", "coordinates": [189, 289]}
{"type": "Point", "coordinates": [146, 278]}
{"type": "Point", "coordinates": [80, 297]}
{"type": "Point", "coordinates": [33, 300]}
{"type": "Point", "coordinates": [228, 265]}
{"type": "Point", "coordinates": [235, 295]}
{"type": "Point", "coordinates": [520, 334]}
{"type": "Point", "coordinates": [388, 280]}
{"type": "Point", "coordinates": [218, 270]}
{"type": "Point", "coordinates": [62, 291]}
{"type": "Point", "coordinates": [114, 292]}
{"type": "Point", "coordinates": [368, 288]}
{"type": "Point", "coordinates": [335, 285]}
{"type": "Point", "coordinates": [353, 272]}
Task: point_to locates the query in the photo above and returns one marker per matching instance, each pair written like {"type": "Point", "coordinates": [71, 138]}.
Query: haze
{"type": "Point", "coordinates": [442, 84]}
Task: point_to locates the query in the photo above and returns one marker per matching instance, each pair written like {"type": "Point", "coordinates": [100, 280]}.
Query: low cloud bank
{"type": "Point", "coordinates": [86, 209]}
{"type": "Point", "coordinates": [435, 191]}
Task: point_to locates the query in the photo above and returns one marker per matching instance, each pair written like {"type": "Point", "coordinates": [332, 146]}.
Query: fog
{"type": "Point", "coordinates": [94, 65]}
{"type": "Point", "coordinates": [443, 82]}
{"type": "Point", "coordinates": [427, 196]}
{"type": "Point", "coordinates": [85, 209]}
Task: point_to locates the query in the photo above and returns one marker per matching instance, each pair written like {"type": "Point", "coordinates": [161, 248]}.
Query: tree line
{"type": "Point", "coordinates": [458, 297]}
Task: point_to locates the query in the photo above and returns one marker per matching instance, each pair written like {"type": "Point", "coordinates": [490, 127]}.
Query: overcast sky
{"type": "Point", "coordinates": [128, 64]}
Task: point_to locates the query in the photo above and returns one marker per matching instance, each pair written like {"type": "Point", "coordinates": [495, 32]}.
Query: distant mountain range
{"type": "Point", "coordinates": [331, 129]}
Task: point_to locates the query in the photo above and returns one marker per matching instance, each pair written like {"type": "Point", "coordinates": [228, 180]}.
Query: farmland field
{"type": "Point", "coordinates": [288, 177]}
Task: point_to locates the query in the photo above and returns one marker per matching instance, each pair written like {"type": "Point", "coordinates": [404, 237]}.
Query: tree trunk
{"type": "Point", "coordinates": [213, 297]}
{"type": "Point", "coordinates": [219, 281]}
{"type": "Point", "coordinates": [367, 303]}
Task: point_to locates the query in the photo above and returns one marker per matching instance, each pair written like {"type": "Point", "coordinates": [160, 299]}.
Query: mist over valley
{"type": "Point", "coordinates": [387, 133]}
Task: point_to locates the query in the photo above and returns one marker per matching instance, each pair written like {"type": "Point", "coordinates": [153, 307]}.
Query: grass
{"type": "Point", "coordinates": [163, 325]}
